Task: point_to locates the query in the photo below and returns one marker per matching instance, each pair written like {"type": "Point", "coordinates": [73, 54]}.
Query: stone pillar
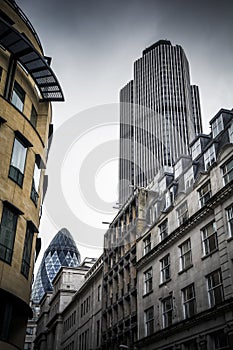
{"type": "Point", "coordinates": [177, 347]}
{"type": "Point", "coordinates": [202, 342]}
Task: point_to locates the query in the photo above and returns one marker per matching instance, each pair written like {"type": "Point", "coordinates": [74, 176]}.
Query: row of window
{"type": "Point", "coordinates": [70, 321]}
{"type": "Point", "coordinates": [210, 154]}
{"type": "Point", "coordinates": [189, 302]}
{"type": "Point", "coordinates": [209, 244]}
{"type": "Point", "coordinates": [84, 340]}
{"type": "Point", "coordinates": [17, 166]}
{"type": "Point", "coordinates": [215, 341]}
{"type": "Point", "coordinates": [85, 306]}
{"type": "Point", "coordinates": [182, 216]}
{"type": "Point", "coordinates": [204, 194]}
{"type": "Point", "coordinates": [7, 238]}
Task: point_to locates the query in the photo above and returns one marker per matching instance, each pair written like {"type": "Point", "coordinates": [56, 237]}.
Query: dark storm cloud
{"type": "Point", "coordinates": [98, 40]}
{"type": "Point", "coordinates": [94, 43]}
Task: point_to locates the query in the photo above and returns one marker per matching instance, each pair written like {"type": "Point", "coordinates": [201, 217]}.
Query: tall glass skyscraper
{"type": "Point", "coordinates": [62, 251]}
{"type": "Point", "coordinates": [160, 110]}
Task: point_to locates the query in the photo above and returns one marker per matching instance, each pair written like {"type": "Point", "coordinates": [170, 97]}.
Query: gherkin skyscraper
{"type": "Point", "coordinates": [62, 251]}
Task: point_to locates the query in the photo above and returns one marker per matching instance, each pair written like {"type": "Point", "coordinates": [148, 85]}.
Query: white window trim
{"type": "Point", "coordinates": [184, 254]}
{"type": "Point", "coordinates": [206, 238]}
{"type": "Point", "coordinates": [217, 126]}
{"type": "Point", "coordinates": [202, 200]}
{"type": "Point", "coordinates": [184, 302]}
{"type": "Point", "coordinates": [209, 290]}
{"type": "Point", "coordinates": [230, 131]}
{"type": "Point", "coordinates": [229, 218]}
{"type": "Point", "coordinates": [148, 281]}
{"type": "Point", "coordinates": [196, 149]}
{"type": "Point", "coordinates": [209, 157]}
{"type": "Point", "coordinates": [163, 269]}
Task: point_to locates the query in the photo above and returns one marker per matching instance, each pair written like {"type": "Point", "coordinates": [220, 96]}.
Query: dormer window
{"type": "Point", "coordinates": [162, 185]}
{"type": "Point", "coordinates": [182, 213]}
{"type": "Point", "coordinates": [209, 157]}
{"type": "Point", "coordinates": [178, 168]}
{"type": "Point", "coordinates": [153, 213]}
{"type": "Point", "coordinates": [230, 131]}
{"type": "Point", "coordinates": [196, 149]}
{"type": "Point", "coordinates": [217, 126]}
{"type": "Point", "coordinates": [169, 197]}
{"type": "Point", "coordinates": [188, 178]}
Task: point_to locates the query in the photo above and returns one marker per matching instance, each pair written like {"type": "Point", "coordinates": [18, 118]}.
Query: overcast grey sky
{"type": "Point", "coordinates": [93, 44]}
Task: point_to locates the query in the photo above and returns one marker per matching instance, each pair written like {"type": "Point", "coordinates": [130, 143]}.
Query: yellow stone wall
{"type": "Point", "coordinates": [11, 278]}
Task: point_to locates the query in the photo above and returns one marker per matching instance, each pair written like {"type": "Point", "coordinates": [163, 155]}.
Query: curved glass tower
{"type": "Point", "coordinates": [62, 251]}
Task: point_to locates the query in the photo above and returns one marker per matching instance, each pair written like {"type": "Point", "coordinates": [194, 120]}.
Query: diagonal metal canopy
{"type": "Point", "coordinates": [36, 65]}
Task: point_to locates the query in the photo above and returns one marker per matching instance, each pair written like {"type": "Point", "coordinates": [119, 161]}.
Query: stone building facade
{"type": "Point", "coordinates": [70, 316]}
{"type": "Point", "coordinates": [27, 86]}
{"type": "Point", "coordinates": [119, 324]}
{"type": "Point", "coordinates": [184, 260]}
{"type": "Point", "coordinates": [166, 272]}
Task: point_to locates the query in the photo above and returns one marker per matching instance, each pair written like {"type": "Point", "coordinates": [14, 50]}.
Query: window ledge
{"type": "Point", "coordinates": [185, 270]}
{"type": "Point", "coordinates": [148, 293]}
{"type": "Point", "coordinates": [209, 254]}
{"type": "Point", "coordinates": [165, 282]}
{"type": "Point", "coordinates": [230, 239]}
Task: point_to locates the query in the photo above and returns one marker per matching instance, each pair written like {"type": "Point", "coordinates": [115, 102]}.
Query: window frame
{"type": "Point", "coordinates": [147, 244]}
{"type": "Point", "coordinates": [207, 239]}
{"type": "Point", "coordinates": [184, 214]}
{"type": "Point", "coordinates": [26, 259]}
{"type": "Point", "coordinates": [167, 314]}
{"type": "Point", "coordinates": [186, 302]}
{"type": "Point", "coordinates": [230, 133]}
{"type": "Point", "coordinates": [196, 149]}
{"type": "Point", "coordinates": [15, 173]}
{"type": "Point", "coordinates": [217, 126]}
{"type": "Point", "coordinates": [188, 178]}
{"type": "Point", "coordinates": [11, 239]}
{"type": "Point", "coordinates": [149, 322]}
{"type": "Point", "coordinates": [165, 270]}
{"type": "Point", "coordinates": [184, 254]}
{"type": "Point", "coordinates": [229, 220]}
{"type": "Point", "coordinates": [218, 337]}
{"type": "Point", "coordinates": [148, 281]}
{"type": "Point", "coordinates": [16, 100]}
{"type": "Point", "coordinates": [163, 229]}
{"type": "Point", "coordinates": [35, 191]}
{"type": "Point", "coordinates": [211, 288]}
{"type": "Point", "coordinates": [204, 197]}
{"type": "Point", "coordinates": [210, 157]}
{"type": "Point", "coordinates": [225, 174]}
